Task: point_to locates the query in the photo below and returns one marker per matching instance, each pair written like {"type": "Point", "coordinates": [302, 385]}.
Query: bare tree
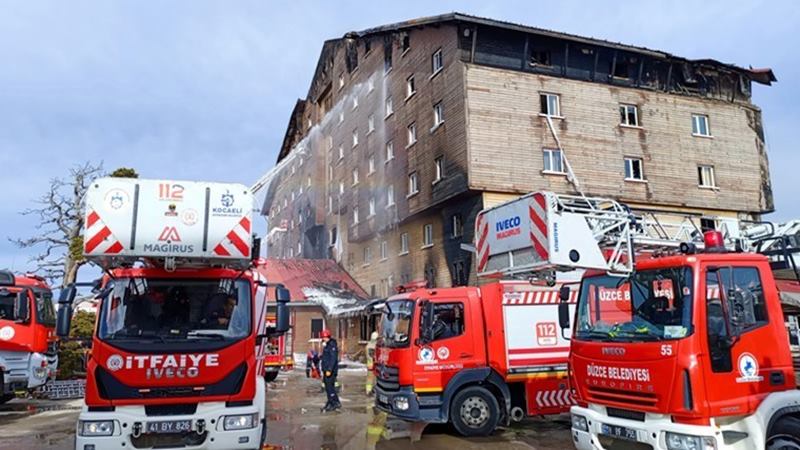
{"type": "Point", "coordinates": [58, 233]}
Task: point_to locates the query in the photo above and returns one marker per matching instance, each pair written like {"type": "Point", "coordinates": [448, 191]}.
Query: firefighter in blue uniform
{"type": "Point", "coordinates": [330, 369]}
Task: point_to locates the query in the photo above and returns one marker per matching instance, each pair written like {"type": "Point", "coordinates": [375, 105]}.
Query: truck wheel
{"type": "Point", "coordinates": [474, 412]}
{"type": "Point", "coordinates": [785, 434]}
{"type": "Point", "coordinates": [270, 376]}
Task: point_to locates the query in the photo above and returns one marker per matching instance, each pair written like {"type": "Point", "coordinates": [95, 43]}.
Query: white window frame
{"type": "Point", "coordinates": [389, 107]}
{"type": "Point", "coordinates": [413, 184]}
{"type": "Point", "coordinates": [367, 255]}
{"type": "Point", "coordinates": [548, 155]}
{"type": "Point", "coordinates": [625, 116]}
{"type": "Point", "coordinates": [427, 235]}
{"type": "Point", "coordinates": [370, 84]}
{"type": "Point", "coordinates": [384, 248]}
{"type": "Point", "coordinates": [341, 80]}
{"type": "Point", "coordinates": [341, 116]}
{"type": "Point", "coordinates": [411, 134]}
{"type": "Point", "coordinates": [299, 249]}
{"type": "Point", "coordinates": [438, 116]}
{"type": "Point", "coordinates": [404, 243]}
{"type": "Point", "coordinates": [438, 169]}
{"type": "Point", "coordinates": [696, 125]}
{"type": "Point", "coordinates": [370, 123]}
{"type": "Point", "coordinates": [341, 188]}
{"type": "Point", "coordinates": [550, 113]}
{"type": "Point", "coordinates": [706, 176]}
{"type": "Point", "coordinates": [341, 152]}
{"type": "Point", "coordinates": [437, 62]}
{"type": "Point", "coordinates": [389, 151]}
{"type": "Point", "coordinates": [355, 215]}
{"type": "Point", "coordinates": [355, 138]}
{"type": "Point", "coordinates": [371, 164]}
{"type": "Point", "coordinates": [390, 196]}
{"type": "Point", "coordinates": [371, 207]}
{"type": "Point", "coordinates": [629, 165]}
{"type": "Point", "coordinates": [411, 87]}
{"type": "Point", "coordinates": [355, 176]}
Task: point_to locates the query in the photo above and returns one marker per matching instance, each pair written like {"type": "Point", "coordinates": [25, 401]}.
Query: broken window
{"type": "Point", "coordinates": [427, 235]}
{"type": "Point", "coordinates": [332, 236]}
{"type": "Point", "coordinates": [413, 183]}
{"type": "Point", "coordinates": [549, 105]}
{"type": "Point", "coordinates": [459, 274]}
{"type": "Point", "coordinates": [387, 57]}
{"type": "Point", "coordinates": [405, 42]}
{"type": "Point", "coordinates": [411, 88]}
{"type": "Point", "coordinates": [700, 125]}
{"type": "Point", "coordinates": [540, 58]}
{"type": "Point", "coordinates": [458, 225]}
{"type": "Point", "coordinates": [633, 169]}
{"type": "Point", "coordinates": [553, 161]}
{"type": "Point", "coordinates": [437, 63]}
{"type": "Point", "coordinates": [430, 276]}
{"type": "Point", "coordinates": [624, 66]}
{"type": "Point", "coordinates": [705, 176]}
{"type": "Point", "coordinates": [404, 244]}
{"type": "Point", "coordinates": [438, 169]}
{"type": "Point", "coordinates": [707, 224]}
{"type": "Point", "coordinates": [367, 46]}
{"type": "Point", "coordinates": [629, 115]}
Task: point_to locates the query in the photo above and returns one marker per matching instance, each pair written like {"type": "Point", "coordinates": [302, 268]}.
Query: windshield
{"type": "Point", "coordinates": [45, 311]}
{"type": "Point", "coordinates": [649, 305]}
{"type": "Point", "coordinates": [171, 309]}
{"type": "Point", "coordinates": [396, 323]}
{"type": "Point", "coordinates": [7, 305]}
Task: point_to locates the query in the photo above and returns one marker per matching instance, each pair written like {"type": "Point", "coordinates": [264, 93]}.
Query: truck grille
{"type": "Point", "coordinates": [640, 399]}
{"type": "Point", "coordinates": [388, 377]}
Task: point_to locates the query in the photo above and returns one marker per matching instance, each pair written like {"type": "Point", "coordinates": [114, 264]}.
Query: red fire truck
{"type": "Point", "coordinates": [177, 352]}
{"type": "Point", "coordinates": [28, 342]}
{"type": "Point", "coordinates": [696, 356]}
{"type": "Point", "coordinates": [278, 354]}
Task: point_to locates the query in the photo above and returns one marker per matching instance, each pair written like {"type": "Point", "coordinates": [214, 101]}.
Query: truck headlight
{"type": "Point", "coordinates": [579, 423]}
{"type": "Point", "coordinates": [40, 372]}
{"type": "Point", "coordinates": [94, 428]}
{"type": "Point", "coordinates": [239, 422]}
{"type": "Point", "coordinates": [676, 441]}
{"type": "Point", "coordinates": [401, 403]}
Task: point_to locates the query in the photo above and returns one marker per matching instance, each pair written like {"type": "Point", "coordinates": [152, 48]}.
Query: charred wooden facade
{"type": "Point", "coordinates": [408, 130]}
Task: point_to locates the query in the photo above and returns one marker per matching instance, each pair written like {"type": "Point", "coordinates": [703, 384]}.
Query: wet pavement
{"type": "Point", "coordinates": [294, 423]}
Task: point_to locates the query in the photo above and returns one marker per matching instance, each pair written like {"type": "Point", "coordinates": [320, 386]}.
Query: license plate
{"type": "Point", "coordinates": [169, 426]}
{"type": "Point", "coordinates": [617, 431]}
{"type": "Point", "coordinates": [383, 398]}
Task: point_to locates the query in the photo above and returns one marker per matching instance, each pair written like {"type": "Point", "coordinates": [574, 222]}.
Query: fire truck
{"type": "Point", "coordinates": [178, 347]}
{"type": "Point", "coordinates": [278, 355]}
{"type": "Point", "coordinates": [28, 342]}
{"type": "Point", "coordinates": [674, 344]}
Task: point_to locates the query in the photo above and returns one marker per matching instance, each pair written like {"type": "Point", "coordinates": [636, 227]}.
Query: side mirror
{"type": "Point", "coordinates": [65, 300]}
{"type": "Point", "coordinates": [22, 311]}
{"type": "Point", "coordinates": [282, 297]}
{"type": "Point", "coordinates": [563, 316]}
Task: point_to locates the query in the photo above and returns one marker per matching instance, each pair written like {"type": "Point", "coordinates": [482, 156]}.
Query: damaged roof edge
{"type": "Point", "coordinates": [763, 76]}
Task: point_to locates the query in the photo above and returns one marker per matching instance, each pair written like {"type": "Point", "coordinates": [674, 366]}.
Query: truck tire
{"type": "Point", "coordinates": [785, 434]}
{"type": "Point", "coordinates": [269, 377]}
{"type": "Point", "coordinates": [474, 412]}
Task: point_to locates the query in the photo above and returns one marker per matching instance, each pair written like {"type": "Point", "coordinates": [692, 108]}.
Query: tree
{"type": "Point", "coordinates": [61, 215]}
{"type": "Point", "coordinates": [72, 353]}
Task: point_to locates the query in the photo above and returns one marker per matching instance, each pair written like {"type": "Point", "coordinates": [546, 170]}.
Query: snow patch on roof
{"type": "Point", "coordinates": [335, 301]}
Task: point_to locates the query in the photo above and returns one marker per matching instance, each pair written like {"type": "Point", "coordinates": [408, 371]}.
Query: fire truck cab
{"type": "Point", "coordinates": [472, 356]}
{"type": "Point", "coordinates": [181, 333]}
{"type": "Point", "coordinates": [693, 354]}
{"type": "Point", "coordinates": [28, 343]}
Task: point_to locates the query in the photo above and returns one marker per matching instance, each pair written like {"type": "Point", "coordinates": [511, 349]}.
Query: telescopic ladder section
{"type": "Point", "coordinates": [542, 233]}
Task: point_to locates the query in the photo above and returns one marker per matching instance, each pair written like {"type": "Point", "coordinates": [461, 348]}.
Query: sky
{"type": "Point", "coordinates": [203, 89]}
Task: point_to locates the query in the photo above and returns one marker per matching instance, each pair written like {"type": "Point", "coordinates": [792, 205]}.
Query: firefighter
{"type": "Point", "coordinates": [373, 342]}
{"type": "Point", "coordinates": [330, 369]}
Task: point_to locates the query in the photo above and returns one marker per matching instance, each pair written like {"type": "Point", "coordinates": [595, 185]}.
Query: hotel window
{"type": "Point", "coordinates": [437, 62]}
{"type": "Point", "coordinates": [413, 184]}
{"type": "Point", "coordinates": [427, 235]}
{"type": "Point", "coordinates": [629, 115]}
{"type": "Point", "coordinates": [700, 125]}
{"type": "Point", "coordinates": [705, 176]}
{"type": "Point", "coordinates": [633, 169]}
{"type": "Point", "coordinates": [404, 243]}
{"type": "Point", "coordinates": [411, 88]}
{"type": "Point", "coordinates": [553, 161]}
{"type": "Point", "coordinates": [549, 105]}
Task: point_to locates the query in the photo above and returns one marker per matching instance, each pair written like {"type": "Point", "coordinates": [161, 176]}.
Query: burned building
{"type": "Point", "coordinates": [409, 129]}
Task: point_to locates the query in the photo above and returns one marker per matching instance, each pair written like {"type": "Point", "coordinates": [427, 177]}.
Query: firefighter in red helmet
{"type": "Point", "coordinates": [330, 369]}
